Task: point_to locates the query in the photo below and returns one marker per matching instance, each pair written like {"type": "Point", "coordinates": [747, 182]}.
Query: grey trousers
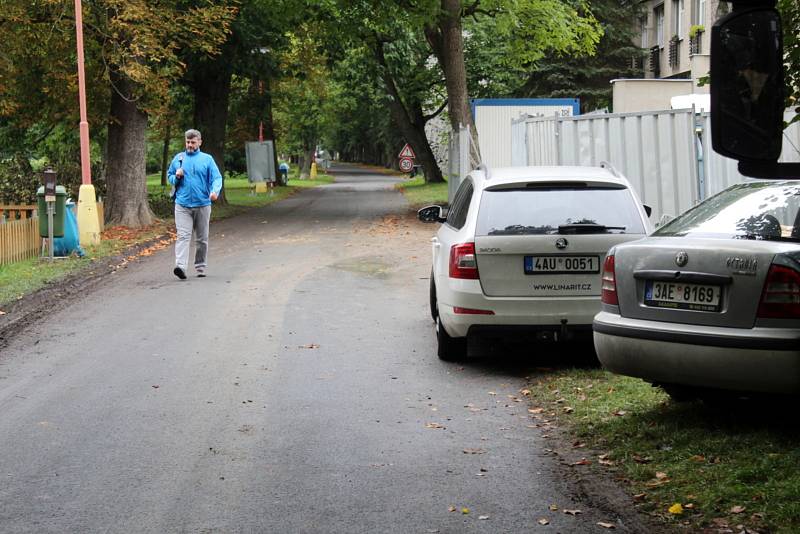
{"type": "Point", "coordinates": [188, 220]}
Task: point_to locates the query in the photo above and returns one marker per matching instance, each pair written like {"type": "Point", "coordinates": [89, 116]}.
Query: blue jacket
{"type": "Point", "coordinates": [201, 177]}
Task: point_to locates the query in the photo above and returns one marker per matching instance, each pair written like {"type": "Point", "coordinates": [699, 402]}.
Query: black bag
{"type": "Point", "coordinates": [174, 191]}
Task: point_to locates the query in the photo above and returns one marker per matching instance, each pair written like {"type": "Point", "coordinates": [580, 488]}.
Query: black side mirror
{"type": "Point", "coordinates": [430, 214]}
{"type": "Point", "coordinates": [647, 209]}
{"type": "Point", "coordinates": [747, 90]}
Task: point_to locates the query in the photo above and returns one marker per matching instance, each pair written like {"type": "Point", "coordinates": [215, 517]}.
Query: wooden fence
{"type": "Point", "coordinates": [19, 234]}
{"type": "Point", "coordinates": [19, 240]}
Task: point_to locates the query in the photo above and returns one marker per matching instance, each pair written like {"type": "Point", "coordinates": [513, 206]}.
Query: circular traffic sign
{"type": "Point", "coordinates": [406, 164]}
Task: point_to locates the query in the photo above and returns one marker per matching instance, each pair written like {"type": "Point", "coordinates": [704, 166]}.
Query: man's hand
{"type": "Point", "coordinates": [213, 196]}
{"type": "Point", "coordinates": [179, 173]}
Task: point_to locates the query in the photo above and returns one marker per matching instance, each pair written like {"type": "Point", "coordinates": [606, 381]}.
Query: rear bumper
{"type": "Point", "coordinates": [534, 313]}
{"type": "Point", "coordinates": [757, 359]}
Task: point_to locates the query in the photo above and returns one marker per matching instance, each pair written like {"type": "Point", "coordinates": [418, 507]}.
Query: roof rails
{"type": "Point", "coordinates": [611, 169]}
{"type": "Point", "coordinates": [486, 171]}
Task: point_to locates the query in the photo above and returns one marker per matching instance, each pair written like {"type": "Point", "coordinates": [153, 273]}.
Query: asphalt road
{"type": "Point", "coordinates": [295, 389]}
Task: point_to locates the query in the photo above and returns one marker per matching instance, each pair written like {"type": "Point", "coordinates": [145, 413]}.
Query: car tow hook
{"type": "Point", "coordinates": [563, 333]}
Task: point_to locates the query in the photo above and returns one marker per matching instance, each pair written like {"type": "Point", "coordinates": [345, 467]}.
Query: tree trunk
{"type": "Point", "coordinates": [307, 160]}
{"type": "Point", "coordinates": [447, 43]}
{"type": "Point", "coordinates": [270, 135]}
{"type": "Point", "coordinates": [211, 84]}
{"type": "Point", "coordinates": [410, 123]}
{"type": "Point", "coordinates": [126, 176]}
{"type": "Point", "coordinates": [165, 154]}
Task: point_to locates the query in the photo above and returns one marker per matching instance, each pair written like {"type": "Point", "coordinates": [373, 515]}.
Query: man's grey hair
{"type": "Point", "coordinates": [192, 134]}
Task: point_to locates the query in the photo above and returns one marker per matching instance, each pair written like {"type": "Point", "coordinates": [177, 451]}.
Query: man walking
{"type": "Point", "coordinates": [197, 183]}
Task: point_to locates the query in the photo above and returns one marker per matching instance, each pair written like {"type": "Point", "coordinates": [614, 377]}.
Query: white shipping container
{"type": "Point", "coordinates": [493, 117]}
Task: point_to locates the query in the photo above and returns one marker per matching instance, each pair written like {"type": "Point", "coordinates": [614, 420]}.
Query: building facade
{"type": "Point", "coordinates": [677, 36]}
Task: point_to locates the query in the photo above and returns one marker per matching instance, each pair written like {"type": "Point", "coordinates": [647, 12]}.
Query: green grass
{"type": "Point", "coordinates": [20, 278]}
{"type": "Point", "coordinates": [715, 457]}
{"type": "Point", "coordinates": [419, 194]}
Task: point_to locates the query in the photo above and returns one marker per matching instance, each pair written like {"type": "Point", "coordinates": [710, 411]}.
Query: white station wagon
{"type": "Point", "coordinates": [520, 252]}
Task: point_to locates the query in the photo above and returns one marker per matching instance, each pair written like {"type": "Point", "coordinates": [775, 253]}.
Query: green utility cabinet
{"type": "Point", "coordinates": [58, 216]}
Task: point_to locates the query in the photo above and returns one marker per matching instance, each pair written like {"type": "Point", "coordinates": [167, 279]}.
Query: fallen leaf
{"type": "Point", "coordinates": [698, 458]}
{"type": "Point", "coordinates": [620, 413]}
{"type": "Point", "coordinates": [2, 312]}
{"type": "Point", "coordinates": [568, 409]}
{"type": "Point", "coordinates": [606, 525]}
{"type": "Point", "coordinates": [660, 475]}
{"type": "Point", "coordinates": [641, 459]}
{"type": "Point", "coordinates": [535, 410]}
{"type": "Point", "coordinates": [309, 346]}
{"type": "Point", "coordinates": [451, 509]}
{"type": "Point", "coordinates": [676, 509]}
{"type": "Point", "coordinates": [604, 461]}
{"type": "Point", "coordinates": [544, 521]}
{"type": "Point", "coordinates": [578, 445]}
{"type": "Point", "coordinates": [465, 510]}
{"type": "Point", "coordinates": [689, 506]}
{"type": "Point", "coordinates": [474, 451]}
{"type": "Point", "coordinates": [572, 512]}
{"type": "Point", "coordinates": [639, 497]}
{"type": "Point", "coordinates": [738, 509]}
{"type": "Point", "coordinates": [433, 425]}
{"type": "Point", "coordinates": [553, 507]}
{"type": "Point", "coordinates": [525, 392]}
{"type": "Point", "coordinates": [483, 517]}
{"type": "Point", "coordinates": [582, 461]}
{"type": "Point", "coordinates": [492, 393]}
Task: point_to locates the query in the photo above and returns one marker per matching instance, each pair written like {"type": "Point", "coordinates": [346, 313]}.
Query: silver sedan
{"type": "Point", "coordinates": [711, 300]}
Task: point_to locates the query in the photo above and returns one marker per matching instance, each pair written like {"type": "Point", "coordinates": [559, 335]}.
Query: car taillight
{"type": "Point", "coordinates": [609, 282]}
{"type": "Point", "coordinates": [471, 311]}
{"type": "Point", "coordinates": [462, 261]}
{"type": "Point", "coordinates": [781, 295]}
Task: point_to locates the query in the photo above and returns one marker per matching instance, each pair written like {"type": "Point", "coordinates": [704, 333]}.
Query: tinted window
{"type": "Point", "coordinates": [758, 210]}
{"type": "Point", "coordinates": [457, 215]}
{"type": "Point", "coordinates": [562, 209]}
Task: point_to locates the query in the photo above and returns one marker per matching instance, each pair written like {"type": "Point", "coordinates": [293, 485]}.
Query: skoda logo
{"type": "Point", "coordinates": [561, 243]}
{"type": "Point", "coordinates": [681, 258]}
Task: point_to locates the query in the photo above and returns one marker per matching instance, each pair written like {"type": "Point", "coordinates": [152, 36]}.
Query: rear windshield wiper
{"type": "Point", "coordinates": [587, 228]}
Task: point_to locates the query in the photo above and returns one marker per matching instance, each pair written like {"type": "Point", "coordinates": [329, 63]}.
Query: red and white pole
{"type": "Point", "coordinates": [88, 222]}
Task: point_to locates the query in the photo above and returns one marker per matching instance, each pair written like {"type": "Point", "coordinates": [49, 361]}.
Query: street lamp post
{"type": "Point", "coordinates": [88, 223]}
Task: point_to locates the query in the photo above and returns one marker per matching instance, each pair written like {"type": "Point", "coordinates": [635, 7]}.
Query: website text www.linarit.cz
{"type": "Point", "coordinates": [563, 287]}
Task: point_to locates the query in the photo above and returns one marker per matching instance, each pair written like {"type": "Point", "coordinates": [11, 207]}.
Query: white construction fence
{"type": "Point", "coordinates": [666, 155]}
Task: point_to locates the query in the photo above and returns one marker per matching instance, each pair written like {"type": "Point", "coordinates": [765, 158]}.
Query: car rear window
{"type": "Point", "coordinates": [558, 209]}
{"type": "Point", "coordinates": [755, 210]}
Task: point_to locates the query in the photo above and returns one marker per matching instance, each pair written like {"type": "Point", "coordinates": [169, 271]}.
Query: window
{"type": "Point", "coordinates": [643, 26]}
{"type": "Point", "coordinates": [699, 12]}
{"type": "Point", "coordinates": [760, 210]}
{"type": "Point", "coordinates": [677, 18]}
{"type": "Point", "coordinates": [457, 215]}
{"type": "Point", "coordinates": [543, 208]}
{"type": "Point", "coordinates": [658, 16]}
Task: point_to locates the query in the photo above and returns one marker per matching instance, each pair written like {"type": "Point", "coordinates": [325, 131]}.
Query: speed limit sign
{"type": "Point", "coordinates": [406, 164]}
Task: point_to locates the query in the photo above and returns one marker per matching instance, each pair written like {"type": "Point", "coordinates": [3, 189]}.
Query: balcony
{"type": "Point", "coordinates": [696, 41]}
{"type": "Point", "coordinates": [674, 51]}
{"type": "Point", "coordinates": [654, 61]}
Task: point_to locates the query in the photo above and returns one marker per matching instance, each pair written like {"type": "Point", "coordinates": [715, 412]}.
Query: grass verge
{"type": "Point", "coordinates": [694, 465]}
{"type": "Point", "coordinates": [23, 277]}
{"type": "Point", "coordinates": [419, 194]}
